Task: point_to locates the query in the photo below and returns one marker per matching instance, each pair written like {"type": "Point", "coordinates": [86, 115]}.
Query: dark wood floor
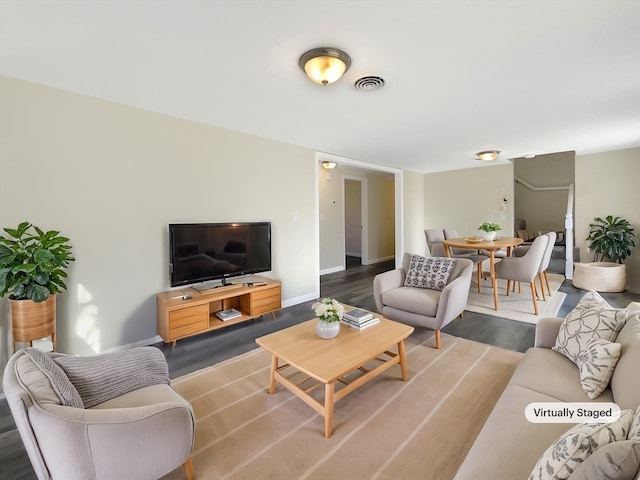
{"type": "Point", "coordinates": [352, 286]}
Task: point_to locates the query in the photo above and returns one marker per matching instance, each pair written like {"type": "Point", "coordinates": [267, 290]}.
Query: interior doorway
{"type": "Point", "coordinates": [354, 221]}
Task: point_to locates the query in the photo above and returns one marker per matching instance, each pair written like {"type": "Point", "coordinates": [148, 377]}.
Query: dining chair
{"type": "Point", "coordinates": [525, 268]}
{"type": "Point", "coordinates": [435, 237]}
{"type": "Point", "coordinates": [544, 264]}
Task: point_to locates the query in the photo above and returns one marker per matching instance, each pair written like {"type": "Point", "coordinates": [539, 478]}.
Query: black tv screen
{"type": "Point", "coordinates": [200, 252]}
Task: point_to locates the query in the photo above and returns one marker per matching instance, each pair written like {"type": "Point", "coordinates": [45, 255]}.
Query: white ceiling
{"type": "Point", "coordinates": [524, 77]}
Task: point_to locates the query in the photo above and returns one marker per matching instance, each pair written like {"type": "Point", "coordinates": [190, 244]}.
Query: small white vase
{"type": "Point", "coordinates": [327, 329]}
{"type": "Point", "coordinates": [487, 236]}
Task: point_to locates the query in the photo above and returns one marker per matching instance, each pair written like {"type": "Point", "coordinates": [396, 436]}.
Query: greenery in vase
{"type": "Point", "coordinates": [328, 310]}
{"type": "Point", "coordinates": [490, 227]}
{"type": "Point", "coordinates": [33, 263]}
{"type": "Point", "coordinates": [610, 238]}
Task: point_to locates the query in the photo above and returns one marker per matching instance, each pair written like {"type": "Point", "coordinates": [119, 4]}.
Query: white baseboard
{"type": "Point", "coordinates": [141, 343]}
{"type": "Point", "coordinates": [380, 260]}
{"type": "Point", "coordinates": [332, 270]}
{"type": "Point", "coordinates": [289, 302]}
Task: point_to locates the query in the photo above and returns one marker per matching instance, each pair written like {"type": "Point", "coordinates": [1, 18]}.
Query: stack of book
{"type": "Point", "coordinates": [359, 319]}
{"type": "Point", "coordinates": [228, 314]}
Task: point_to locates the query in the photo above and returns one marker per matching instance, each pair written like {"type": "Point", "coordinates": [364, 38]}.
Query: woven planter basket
{"type": "Point", "coordinates": [600, 276]}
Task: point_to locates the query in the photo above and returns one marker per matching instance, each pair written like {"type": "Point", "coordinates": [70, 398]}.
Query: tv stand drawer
{"type": "Point", "coordinates": [188, 321]}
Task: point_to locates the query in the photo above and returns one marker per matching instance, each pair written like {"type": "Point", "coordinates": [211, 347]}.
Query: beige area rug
{"type": "Point", "coordinates": [516, 306]}
{"type": "Point", "coordinates": [386, 429]}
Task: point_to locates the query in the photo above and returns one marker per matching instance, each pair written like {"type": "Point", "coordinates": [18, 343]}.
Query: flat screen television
{"type": "Point", "coordinates": [201, 252]}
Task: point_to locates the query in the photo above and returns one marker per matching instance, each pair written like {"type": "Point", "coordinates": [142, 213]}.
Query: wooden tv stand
{"type": "Point", "coordinates": [178, 318]}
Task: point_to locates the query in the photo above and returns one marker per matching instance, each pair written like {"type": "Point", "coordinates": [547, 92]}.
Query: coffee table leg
{"type": "Point", "coordinates": [272, 374]}
{"type": "Point", "coordinates": [403, 360]}
{"type": "Point", "coordinates": [328, 409]}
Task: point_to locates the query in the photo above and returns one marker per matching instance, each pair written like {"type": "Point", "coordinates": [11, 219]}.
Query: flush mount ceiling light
{"type": "Point", "coordinates": [487, 155]}
{"type": "Point", "coordinates": [325, 65]}
{"type": "Point", "coordinates": [329, 165]}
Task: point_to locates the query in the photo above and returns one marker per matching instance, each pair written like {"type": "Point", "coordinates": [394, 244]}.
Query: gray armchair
{"type": "Point", "coordinates": [423, 307]}
{"type": "Point", "coordinates": [141, 428]}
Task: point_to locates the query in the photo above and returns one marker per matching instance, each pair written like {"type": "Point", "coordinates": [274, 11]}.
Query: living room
{"type": "Point", "coordinates": [111, 175]}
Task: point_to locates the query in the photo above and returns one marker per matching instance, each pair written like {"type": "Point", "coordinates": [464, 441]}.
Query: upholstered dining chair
{"type": "Point", "coordinates": [525, 268]}
{"type": "Point", "coordinates": [544, 264]}
{"type": "Point", "coordinates": [424, 306]}
{"type": "Point", "coordinates": [436, 236]}
{"type": "Point", "coordinates": [100, 417]}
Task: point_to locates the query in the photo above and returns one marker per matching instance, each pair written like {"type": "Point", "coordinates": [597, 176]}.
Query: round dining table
{"type": "Point", "coordinates": [472, 243]}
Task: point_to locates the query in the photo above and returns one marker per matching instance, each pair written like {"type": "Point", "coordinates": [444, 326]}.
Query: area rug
{"type": "Point", "coordinates": [516, 306]}
{"type": "Point", "coordinates": [386, 429]}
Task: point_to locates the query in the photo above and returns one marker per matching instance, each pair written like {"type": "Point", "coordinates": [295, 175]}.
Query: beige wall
{"type": "Point", "coordinates": [112, 178]}
{"type": "Point", "coordinates": [463, 199]}
{"type": "Point", "coordinates": [543, 210]}
{"type": "Point", "coordinates": [608, 184]}
{"type": "Point", "coordinates": [414, 216]}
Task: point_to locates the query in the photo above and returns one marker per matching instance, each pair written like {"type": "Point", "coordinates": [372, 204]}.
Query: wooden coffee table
{"type": "Point", "coordinates": [325, 362]}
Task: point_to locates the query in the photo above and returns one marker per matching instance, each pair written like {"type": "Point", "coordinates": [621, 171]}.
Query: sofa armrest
{"type": "Point", "coordinates": [547, 331]}
{"type": "Point", "coordinates": [384, 282]}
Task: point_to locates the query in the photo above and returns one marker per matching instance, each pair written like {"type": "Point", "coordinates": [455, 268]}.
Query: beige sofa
{"type": "Point", "coordinates": [508, 445]}
{"type": "Point", "coordinates": [126, 421]}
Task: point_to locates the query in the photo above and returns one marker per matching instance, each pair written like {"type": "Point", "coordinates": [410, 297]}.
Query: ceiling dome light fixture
{"type": "Point", "coordinates": [324, 65]}
{"type": "Point", "coordinates": [329, 165]}
{"type": "Point", "coordinates": [487, 155]}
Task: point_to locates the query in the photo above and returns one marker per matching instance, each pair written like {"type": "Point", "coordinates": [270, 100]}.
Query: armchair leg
{"type": "Point", "coordinates": [438, 339]}
{"type": "Point", "coordinates": [188, 469]}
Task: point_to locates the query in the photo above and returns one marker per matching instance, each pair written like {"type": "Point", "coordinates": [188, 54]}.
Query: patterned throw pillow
{"type": "Point", "coordinates": [593, 317]}
{"type": "Point", "coordinates": [569, 451]}
{"type": "Point", "coordinates": [596, 364]}
{"type": "Point", "coordinates": [429, 272]}
{"type": "Point", "coordinates": [615, 461]}
{"type": "Point", "coordinates": [634, 431]}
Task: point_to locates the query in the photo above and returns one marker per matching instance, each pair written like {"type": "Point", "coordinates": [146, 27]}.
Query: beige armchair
{"type": "Point", "coordinates": [423, 307]}
{"type": "Point", "coordinates": [141, 428]}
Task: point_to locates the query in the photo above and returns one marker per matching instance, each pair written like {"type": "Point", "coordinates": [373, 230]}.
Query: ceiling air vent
{"type": "Point", "coordinates": [369, 83]}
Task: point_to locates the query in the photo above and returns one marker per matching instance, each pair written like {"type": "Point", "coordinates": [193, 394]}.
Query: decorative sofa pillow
{"type": "Point", "coordinates": [99, 378]}
{"type": "Point", "coordinates": [634, 431]}
{"type": "Point", "coordinates": [596, 364]}
{"type": "Point", "coordinates": [429, 272]}
{"type": "Point", "coordinates": [571, 449]}
{"type": "Point", "coordinates": [593, 317]}
{"type": "Point", "coordinates": [614, 461]}
{"type": "Point", "coordinates": [66, 392]}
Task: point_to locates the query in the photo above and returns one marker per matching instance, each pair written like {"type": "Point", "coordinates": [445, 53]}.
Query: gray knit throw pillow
{"type": "Point", "coordinates": [99, 378]}
{"type": "Point", "coordinates": [65, 390]}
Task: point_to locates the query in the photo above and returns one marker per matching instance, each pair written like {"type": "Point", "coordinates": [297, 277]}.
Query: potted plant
{"type": "Point", "coordinates": [33, 267]}
{"type": "Point", "coordinates": [611, 239]}
{"type": "Point", "coordinates": [329, 313]}
{"type": "Point", "coordinates": [489, 230]}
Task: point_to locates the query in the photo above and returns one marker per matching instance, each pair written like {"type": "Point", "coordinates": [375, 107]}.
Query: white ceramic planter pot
{"type": "Point", "coordinates": [487, 236]}
{"type": "Point", "coordinates": [327, 329]}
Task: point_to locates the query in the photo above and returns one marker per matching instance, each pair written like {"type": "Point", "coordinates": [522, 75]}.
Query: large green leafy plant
{"type": "Point", "coordinates": [33, 263]}
{"type": "Point", "coordinates": [610, 238]}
